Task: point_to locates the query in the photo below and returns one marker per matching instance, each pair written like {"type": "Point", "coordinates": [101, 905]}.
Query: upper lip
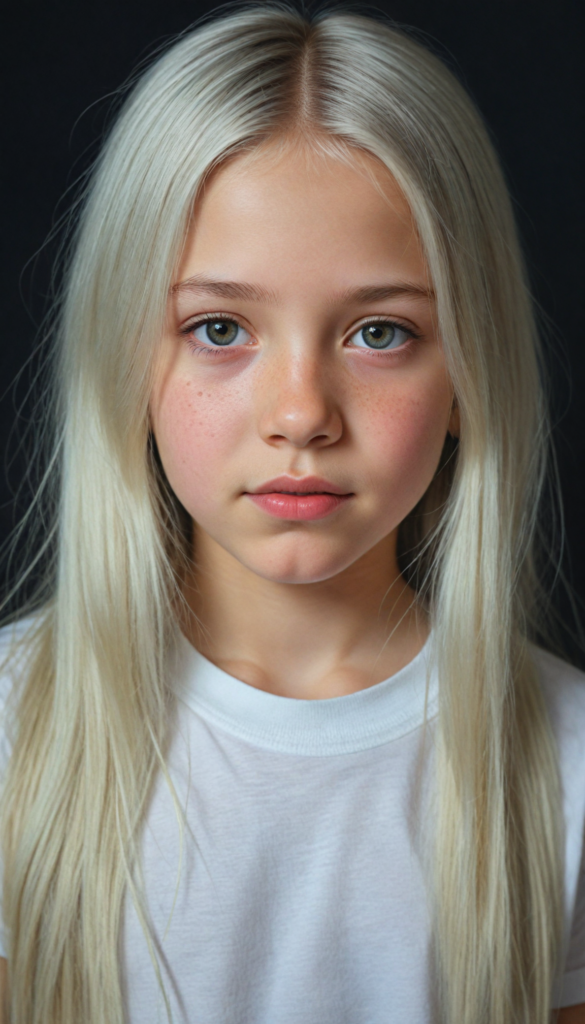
{"type": "Point", "coordinates": [299, 485]}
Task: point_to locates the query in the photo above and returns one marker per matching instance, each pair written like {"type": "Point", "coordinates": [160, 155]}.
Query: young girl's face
{"type": "Point", "coordinates": [301, 343]}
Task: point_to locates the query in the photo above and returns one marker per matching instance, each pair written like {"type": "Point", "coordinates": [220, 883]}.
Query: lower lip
{"type": "Point", "coordinates": [299, 506]}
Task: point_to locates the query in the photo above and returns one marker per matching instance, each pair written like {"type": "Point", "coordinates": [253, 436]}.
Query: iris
{"type": "Point", "coordinates": [221, 332]}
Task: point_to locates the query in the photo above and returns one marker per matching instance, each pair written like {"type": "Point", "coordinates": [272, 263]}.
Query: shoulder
{"type": "Point", "coordinates": [563, 687]}
{"type": "Point", "coordinates": [16, 643]}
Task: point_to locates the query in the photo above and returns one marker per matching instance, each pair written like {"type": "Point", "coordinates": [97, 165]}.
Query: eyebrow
{"type": "Point", "coordinates": [253, 292]}
{"type": "Point", "coordinates": [376, 292]}
{"type": "Point", "coordinates": [224, 289]}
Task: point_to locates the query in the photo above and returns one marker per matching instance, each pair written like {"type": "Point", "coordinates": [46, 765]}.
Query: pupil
{"type": "Point", "coordinates": [221, 332]}
{"type": "Point", "coordinates": [378, 335]}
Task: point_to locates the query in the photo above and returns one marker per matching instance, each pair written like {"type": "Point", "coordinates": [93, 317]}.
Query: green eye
{"type": "Point", "coordinates": [379, 335]}
{"type": "Point", "coordinates": [382, 336]}
{"type": "Point", "coordinates": [221, 332]}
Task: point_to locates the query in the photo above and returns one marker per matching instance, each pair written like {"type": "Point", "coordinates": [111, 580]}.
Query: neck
{"type": "Point", "coordinates": [307, 641]}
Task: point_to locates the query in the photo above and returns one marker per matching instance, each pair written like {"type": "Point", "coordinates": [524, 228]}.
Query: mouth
{"type": "Point", "coordinates": [300, 485]}
{"type": "Point", "coordinates": [299, 494]}
{"type": "Point", "coordinates": [300, 499]}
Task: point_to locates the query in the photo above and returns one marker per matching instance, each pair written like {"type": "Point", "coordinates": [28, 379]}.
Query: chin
{"type": "Point", "coordinates": [300, 567]}
{"type": "Point", "coordinates": [298, 577]}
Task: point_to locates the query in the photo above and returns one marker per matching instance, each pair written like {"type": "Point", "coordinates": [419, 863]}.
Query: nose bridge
{"type": "Point", "coordinates": [300, 406]}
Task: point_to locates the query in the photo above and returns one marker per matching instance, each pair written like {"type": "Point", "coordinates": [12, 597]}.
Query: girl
{"type": "Point", "coordinates": [277, 746]}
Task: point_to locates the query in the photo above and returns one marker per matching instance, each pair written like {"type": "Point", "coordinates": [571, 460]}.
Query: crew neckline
{"type": "Point", "coordinates": [327, 726]}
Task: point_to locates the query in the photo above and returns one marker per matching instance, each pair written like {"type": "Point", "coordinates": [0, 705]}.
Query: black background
{"type": "Point", "coordinates": [522, 62]}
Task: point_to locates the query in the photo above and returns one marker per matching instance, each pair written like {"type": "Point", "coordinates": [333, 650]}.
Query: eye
{"type": "Point", "coordinates": [219, 332]}
{"type": "Point", "coordinates": [381, 335]}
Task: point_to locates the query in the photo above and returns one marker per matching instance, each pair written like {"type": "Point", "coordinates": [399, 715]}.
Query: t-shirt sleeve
{"type": "Point", "coordinates": [4, 757]}
{"type": "Point", "coordinates": [8, 674]}
{"type": "Point", "coordinates": [571, 989]}
{"type": "Point", "coordinates": [564, 690]}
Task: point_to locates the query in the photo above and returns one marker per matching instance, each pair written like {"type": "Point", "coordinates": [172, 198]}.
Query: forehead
{"type": "Point", "coordinates": [295, 213]}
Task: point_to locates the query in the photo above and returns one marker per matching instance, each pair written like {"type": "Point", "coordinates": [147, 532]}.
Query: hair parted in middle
{"type": "Point", "coordinates": [95, 709]}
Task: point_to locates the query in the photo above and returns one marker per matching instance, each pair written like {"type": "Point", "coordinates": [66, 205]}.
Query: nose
{"type": "Point", "coordinates": [299, 406]}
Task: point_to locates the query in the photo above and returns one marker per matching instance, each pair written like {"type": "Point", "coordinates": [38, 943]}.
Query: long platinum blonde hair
{"type": "Point", "coordinates": [92, 717]}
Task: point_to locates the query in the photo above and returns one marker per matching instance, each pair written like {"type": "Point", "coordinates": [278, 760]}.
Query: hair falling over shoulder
{"type": "Point", "coordinates": [91, 724]}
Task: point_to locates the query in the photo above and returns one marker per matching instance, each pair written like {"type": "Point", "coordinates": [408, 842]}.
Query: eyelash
{"type": "Point", "coordinates": [209, 351]}
{"type": "Point", "coordinates": [380, 353]}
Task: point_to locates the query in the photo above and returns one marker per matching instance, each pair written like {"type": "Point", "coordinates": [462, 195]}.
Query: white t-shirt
{"type": "Point", "coordinates": [301, 897]}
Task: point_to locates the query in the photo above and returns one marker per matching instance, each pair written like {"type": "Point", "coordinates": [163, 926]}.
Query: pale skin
{"type": "Point", "coordinates": [303, 609]}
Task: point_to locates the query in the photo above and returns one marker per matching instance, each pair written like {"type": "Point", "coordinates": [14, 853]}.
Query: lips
{"type": "Point", "coordinates": [300, 485]}
{"type": "Point", "coordinates": [305, 498]}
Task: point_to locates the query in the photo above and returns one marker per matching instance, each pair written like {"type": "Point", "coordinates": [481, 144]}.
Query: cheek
{"type": "Point", "coordinates": [406, 433]}
{"type": "Point", "coordinates": [197, 433]}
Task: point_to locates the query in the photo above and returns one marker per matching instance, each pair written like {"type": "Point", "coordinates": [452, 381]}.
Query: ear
{"type": "Point", "coordinates": [454, 420]}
